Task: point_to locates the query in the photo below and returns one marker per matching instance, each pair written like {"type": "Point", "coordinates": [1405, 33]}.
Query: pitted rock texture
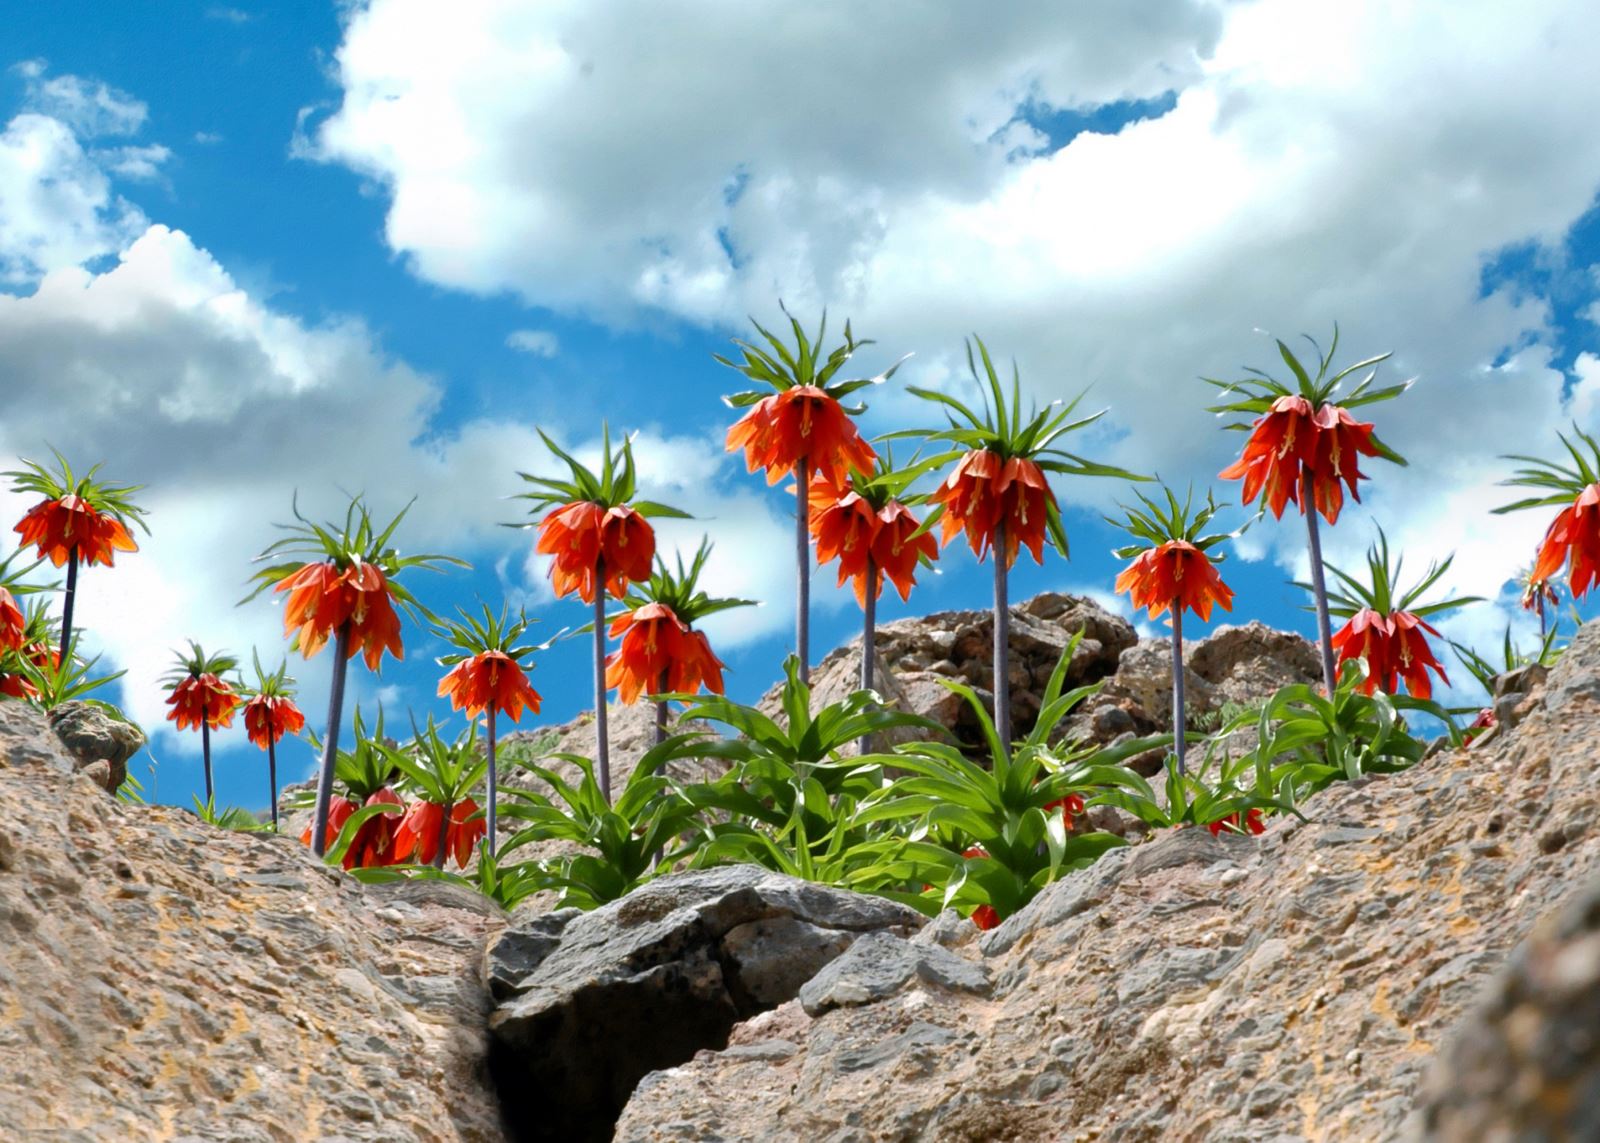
{"type": "Point", "coordinates": [644, 982]}
{"type": "Point", "coordinates": [1526, 1063]}
{"type": "Point", "coordinates": [98, 744]}
{"type": "Point", "coordinates": [161, 979]}
{"type": "Point", "coordinates": [1292, 986]}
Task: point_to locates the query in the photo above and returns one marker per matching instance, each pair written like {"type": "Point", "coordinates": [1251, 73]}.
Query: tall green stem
{"type": "Point", "coordinates": [494, 790]}
{"type": "Point", "coordinates": [802, 555]}
{"type": "Point", "coordinates": [869, 639]}
{"type": "Point", "coordinates": [602, 745]}
{"type": "Point", "coordinates": [205, 754]}
{"type": "Point", "coordinates": [330, 744]}
{"type": "Point", "coordinates": [1179, 722]}
{"type": "Point", "coordinates": [69, 597]}
{"type": "Point", "coordinates": [1319, 584]}
{"type": "Point", "coordinates": [1002, 643]}
{"type": "Point", "coordinates": [272, 775]}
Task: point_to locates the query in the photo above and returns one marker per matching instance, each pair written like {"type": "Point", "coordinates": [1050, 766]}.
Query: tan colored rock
{"type": "Point", "coordinates": [1292, 986]}
{"type": "Point", "coordinates": [161, 979]}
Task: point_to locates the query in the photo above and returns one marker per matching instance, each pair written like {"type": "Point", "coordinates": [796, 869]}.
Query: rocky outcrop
{"type": "Point", "coordinates": [99, 744]}
{"type": "Point", "coordinates": [163, 979]}
{"type": "Point", "coordinates": [1292, 986]}
{"type": "Point", "coordinates": [593, 1002]}
{"type": "Point", "coordinates": [1526, 1064]}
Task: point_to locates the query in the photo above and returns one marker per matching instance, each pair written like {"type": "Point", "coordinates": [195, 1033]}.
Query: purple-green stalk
{"type": "Point", "coordinates": [330, 745]}
{"type": "Point", "coordinates": [1179, 722]}
{"type": "Point", "coordinates": [601, 744]}
{"type": "Point", "coordinates": [1002, 642]}
{"type": "Point", "coordinates": [802, 552]}
{"type": "Point", "coordinates": [1319, 585]}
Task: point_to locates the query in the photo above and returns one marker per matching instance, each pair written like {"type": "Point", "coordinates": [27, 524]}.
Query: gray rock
{"type": "Point", "coordinates": [1576, 676]}
{"type": "Point", "coordinates": [880, 964]}
{"type": "Point", "coordinates": [93, 736]}
{"type": "Point", "coordinates": [510, 961]}
{"type": "Point", "coordinates": [643, 983]}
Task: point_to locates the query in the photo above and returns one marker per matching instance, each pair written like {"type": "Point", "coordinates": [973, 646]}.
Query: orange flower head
{"type": "Point", "coordinates": [571, 534]}
{"type": "Point", "coordinates": [653, 640]}
{"type": "Point", "coordinates": [1282, 443]}
{"type": "Point", "coordinates": [70, 523]}
{"type": "Point", "coordinates": [1252, 822]}
{"type": "Point", "coordinates": [985, 492]}
{"type": "Point", "coordinates": [490, 679]}
{"type": "Point", "coordinates": [17, 687]}
{"type": "Point", "coordinates": [1341, 441]}
{"type": "Point", "coordinates": [1395, 649]}
{"type": "Point", "coordinates": [374, 842]}
{"type": "Point", "coordinates": [845, 527]}
{"type": "Point", "coordinates": [13, 623]}
{"type": "Point", "coordinates": [417, 837]}
{"type": "Point", "coordinates": [895, 550]}
{"type": "Point", "coordinates": [202, 699]}
{"type": "Point", "coordinates": [1574, 535]}
{"type": "Point", "coordinates": [267, 718]}
{"type": "Point", "coordinates": [799, 423]}
{"type": "Point", "coordinates": [628, 547]}
{"type": "Point", "coordinates": [339, 810]}
{"type": "Point", "coordinates": [322, 599]}
{"type": "Point", "coordinates": [1178, 574]}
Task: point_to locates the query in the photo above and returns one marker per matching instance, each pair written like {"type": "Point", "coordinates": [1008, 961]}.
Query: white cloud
{"type": "Point", "coordinates": [539, 342]}
{"type": "Point", "coordinates": [1320, 162]}
{"type": "Point", "coordinates": [89, 107]}
{"type": "Point", "coordinates": [207, 138]}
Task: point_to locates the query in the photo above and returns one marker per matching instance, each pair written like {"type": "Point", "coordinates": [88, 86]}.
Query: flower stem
{"type": "Point", "coordinates": [661, 710]}
{"type": "Point", "coordinates": [1002, 643]}
{"type": "Point", "coordinates": [491, 824]}
{"type": "Point", "coordinates": [205, 753]}
{"type": "Point", "coordinates": [272, 776]}
{"type": "Point", "coordinates": [1319, 584]}
{"type": "Point", "coordinates": [444, 828]}
{"type": "Point", "coordinates": [330, 744]}
{"type": "Point", "coordinates": [802, 554]}
{"type": "Point", "coordinates": [1179, 722]}
{"type": "Point", "coordinates": [602, 746]}
{"type": "Point", "coordinates": [869, 640]}
{"type": "Point", "coordinates": [69, 597]}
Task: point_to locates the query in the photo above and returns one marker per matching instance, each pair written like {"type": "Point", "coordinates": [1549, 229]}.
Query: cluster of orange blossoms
{"type": "Point", "coordinates": [57, 527]}
{"type": "Point", "coordinates": [391, 839]}
{"type": "Point", "coordinates": [799, 423]}
{"type": "Point", "coordinates": [846, 526]}
{"type": "Point", "coordinates": [1293, 441]}
{"type": "Point", "coordinates": [490, 680]}
{"type": "Point", "coordinates": [584, 537]}
{"type": "Point", "coordinates": [267, 718]}
{"type": "Point", "coordinates": [1394, 647]}
{"type": "Point", "coordinates": [987, 491]}
{"type": "Point", "coordinates": [660, 653]}
{"type": "Point", "coordinates": [1575, 532]}
{"type": "Point", "coordinates": [202, 700]}
{"type": "Point", "coordinates": [1175, 574]}
{"type": "Point", "coordinates": [322, 599]}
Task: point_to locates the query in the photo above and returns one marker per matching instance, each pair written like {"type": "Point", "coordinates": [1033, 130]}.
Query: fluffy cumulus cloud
{"type": "Point", "coordinates": [225, 409]}
{"type": "Point", "coordinates": [1299, 163]}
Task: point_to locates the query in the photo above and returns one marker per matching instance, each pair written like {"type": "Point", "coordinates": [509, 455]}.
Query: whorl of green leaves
{"type": "Point", "coordinates": [1381, 590]}
{"type": "Point", "coordinates": [198, 662]}
{"type": "Point", "coordinates": [1156, 523]}
{"type": "Point", "coordinates": [614, 485]}
{"type": "Point", "coordinates": [779, 367]}
{"type": "Point", "coordinates": [114, 500]}
{"type": "Point", "coordinates": [1563, 481]}
{"type": "Point", "coordinates": [680, 590]}
{"type": "Point", "coordinates": [476, 635]}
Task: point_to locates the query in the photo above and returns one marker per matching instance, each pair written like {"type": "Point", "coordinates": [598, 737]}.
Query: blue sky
{"type": "Point", "coordinates": [248, 251]}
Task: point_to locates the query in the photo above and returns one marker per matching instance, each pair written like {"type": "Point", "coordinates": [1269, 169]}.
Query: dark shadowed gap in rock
{"type": "Point", "coordinates": [590, 1057]}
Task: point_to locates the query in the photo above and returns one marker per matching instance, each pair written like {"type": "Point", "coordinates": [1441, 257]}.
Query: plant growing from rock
{"type": "Point", "coordinates": [14, 622]}
{"type": "Point", "coordinates": [1173, 570]}
{"type": "Point", "coordinates": [40, 674]}
{"type": "Point", "coordinates": [444, 818]}
{"type": "Point", "coordinates": [1573, 538]}
{"type": "Point", "coordinates": [201, 698]}
{"type": "Point", "coordinates": [999, 833]}
{"type": "Point", "coordinates": [488, 676]}
{"type": "Point", "coordinates": [230, 817]}
{"type": "Point", "coordinates": [797, 424]}
{"type": "Point", "coordinates": [1487, 672]}
{"type": "Point", "coordinates": [661, 652]}
{"type": "Point", "coordinates": [1386, 626]}
{"type": "Point", "coordinates": [269, 714]}
{"type": "Point", "coordinates": [1301, 446]}
{"type": "Point", "coordinates": [999, 493]}
{"type": "Point", "coordinates": [601, 540]}
{"type": "Point", "coordinates": [868, 526]}
{"type": "Point", "coordinates": [344, 586]}
{"type": "Point", "coordinates": [791, 781]}
{"type": "Point", "coordinates": [361, 823]}
{"type": "Point", "coordinates": [80, 520]}
{"type": "Point", "coordinates": [627, 841]}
